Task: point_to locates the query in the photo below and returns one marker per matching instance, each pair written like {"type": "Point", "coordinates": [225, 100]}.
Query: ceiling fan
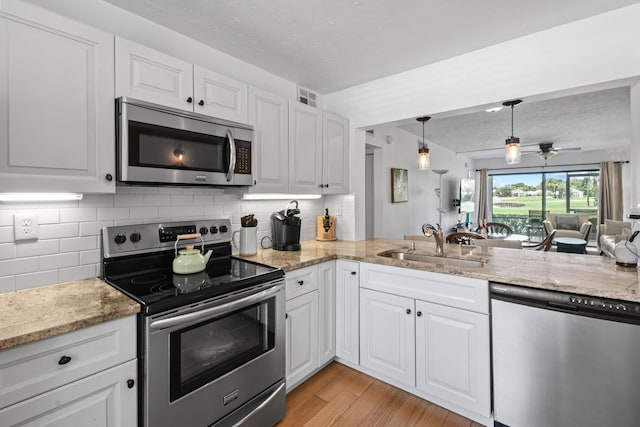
{"type": "Point", "coordinates": [547, 150]}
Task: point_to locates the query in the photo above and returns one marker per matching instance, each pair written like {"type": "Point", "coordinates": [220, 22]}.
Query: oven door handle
{"type": "Point", "coordinates": [232, 155]}
{"type": "Point", "coordinates": [183, 319]}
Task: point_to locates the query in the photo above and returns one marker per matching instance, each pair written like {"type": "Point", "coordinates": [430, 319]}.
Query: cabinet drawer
{"type": "Point", "coordinates": [32, 369]}
{"type": "Point", "coordinates": [299, 282]}
{"type": "Point", "coordinates": [454, 291]}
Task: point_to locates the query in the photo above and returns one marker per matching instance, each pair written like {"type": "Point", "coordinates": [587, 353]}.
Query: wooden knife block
{"type": "Point", "coordinates": [326, 235]}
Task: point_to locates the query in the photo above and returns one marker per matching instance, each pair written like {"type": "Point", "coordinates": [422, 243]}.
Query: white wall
{"type": "Point", "coordinates": [68, 247]}
{"type": "Point", "coordinates": [398, 219]}
{"type": "Point", "coordinates": [585, 53]}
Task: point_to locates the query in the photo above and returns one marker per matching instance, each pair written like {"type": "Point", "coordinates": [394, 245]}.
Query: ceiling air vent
{"type": "Point", "coordinates": [305, 96]}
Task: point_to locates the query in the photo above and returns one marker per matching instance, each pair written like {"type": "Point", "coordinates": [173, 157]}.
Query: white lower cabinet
{"type": "Point", "coordinates": [326, 312]}
{"type": "Point", "coordinates": [301, 337]}
{"type": "Point", "coordinates": [387, 337]}
{"type": "Point", "coordinates": [428, 332]}
{"type": "Point", "coordinates": [86, 377]}
{"type": "Point", "coordinates": [452, 357]}
{"type": "Point", "coordinates": [347, 311]}
{"type": "Point", "coordinates": [310, 325]}
{"type": "Point", "coordinates": [102, 399]}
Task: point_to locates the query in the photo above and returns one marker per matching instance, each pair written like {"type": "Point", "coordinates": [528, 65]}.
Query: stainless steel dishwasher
{"type": "Point", "coordinates": [564, 359]}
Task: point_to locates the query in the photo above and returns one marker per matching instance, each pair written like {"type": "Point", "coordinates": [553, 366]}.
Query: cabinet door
{"type": "Point", "coordinates": [387, 335]}
{"type": "Point", "coordinates": [453, 359]}
{"type": "Point", "coordinates": [335, 154]}
{"type": "Point", "coordinates": [347, 311]}
{"type": "Point", "coordinates": [305, 149]}
{"type": "Point", "coordinates": [56, 104]}
{"type": "Point", "coordinates": [219, 96]}
{"type": "Point", "coordinates": [301, 337]}
{"type": "Point", "coordinates": [148, 75]}
{"type": "Point", "coordinates": [269, 115]}
{"type": "Point", "coordinates": [102, 399]}
{"type": "Point", "coordinates": [326, 312]}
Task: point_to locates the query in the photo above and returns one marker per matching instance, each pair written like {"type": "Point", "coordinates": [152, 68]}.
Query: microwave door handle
{"type": "Point", "coordinates": [184, 319]}
{"type": "Point", "coordinates": [232, 155]}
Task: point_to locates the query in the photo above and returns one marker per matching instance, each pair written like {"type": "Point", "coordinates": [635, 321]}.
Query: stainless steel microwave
{"type": "Point", "coordinates": [165, 146]}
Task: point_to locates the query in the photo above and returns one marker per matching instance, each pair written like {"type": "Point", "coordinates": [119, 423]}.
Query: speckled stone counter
{"type": "Point", "coordinates": [580, 274]}
{"type": "Point", "coordinates": [35, 314]}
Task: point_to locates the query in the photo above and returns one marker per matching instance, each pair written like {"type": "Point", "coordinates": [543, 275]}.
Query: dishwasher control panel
{"type": "Point", "coordinates": [597, 303]}
{"type": "Point", "coordinates": [610, 309]}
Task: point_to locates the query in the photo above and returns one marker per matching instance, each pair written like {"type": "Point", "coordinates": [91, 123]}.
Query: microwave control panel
{"type": "Point", "coordinates": [243, 157]}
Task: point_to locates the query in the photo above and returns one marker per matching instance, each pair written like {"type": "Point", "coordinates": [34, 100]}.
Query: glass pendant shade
{"type": "Point", "coordinates": [512, 150]}
{"type": "Point", "coordinates": [423, 152]}
{"type": "Point", "coordinates": [512, 144]}
{"type": "Point", "coordinates": [423, 158]}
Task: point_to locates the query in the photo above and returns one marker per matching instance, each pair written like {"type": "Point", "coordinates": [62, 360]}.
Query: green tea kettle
{"type": "Point", "coordinates": [190, 260]}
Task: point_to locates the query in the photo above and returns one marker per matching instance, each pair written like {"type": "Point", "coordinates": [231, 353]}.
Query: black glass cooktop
{"type": "Point", "coordinates": [149, 279]}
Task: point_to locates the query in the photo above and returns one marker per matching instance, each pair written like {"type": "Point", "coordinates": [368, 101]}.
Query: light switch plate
{"type": "Point", "coordinates": [25, 226]}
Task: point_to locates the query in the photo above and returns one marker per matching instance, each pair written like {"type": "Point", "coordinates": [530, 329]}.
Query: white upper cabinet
{"type": "Point", "coordinates": [269, 115]}
{"type": "Point", "coordinates": [318, 151]}
{"type": "Point", "coordinates": [56, 103]}
{"type": "Point", "coordinates": [219, 96]}
{"type": "Point", "coordinates": [335, 154]}
{"type": "Point", "coordinates": [146, 74]}
{"type": "Point", "coordinates": [305, 149]}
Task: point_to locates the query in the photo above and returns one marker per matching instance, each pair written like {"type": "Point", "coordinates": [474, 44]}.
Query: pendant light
{"type": "Point", "coordinates": [512, 143]}
{"type": "Point", "coordinates": [423, 152]}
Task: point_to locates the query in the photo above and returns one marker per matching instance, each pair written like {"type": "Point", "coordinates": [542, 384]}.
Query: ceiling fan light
{"type": "Point", "coordinates": [512, 150]}
{"type": "Point", "coordinates": [423, 158]}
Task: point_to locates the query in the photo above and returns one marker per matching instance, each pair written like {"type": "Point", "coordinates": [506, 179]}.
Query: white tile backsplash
{"type": "Point", "coordinates": [7, 284]}
{"type": "Point", "coordinates": [34, 280]}
{"type": "Point", "coordinates": [57, 231]}
{"type": "Point", "coordinates": [75, 244]}
{"type": "Point", "coordinates": [52, 262]}
{"type": "Point", "coordinates": [69, 243]}
{"type": "Point", "coordinates": [29, 248]}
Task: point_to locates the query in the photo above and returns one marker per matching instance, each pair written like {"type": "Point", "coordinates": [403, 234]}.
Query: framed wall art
{"type": "Point", "coordinates": [399, 185]}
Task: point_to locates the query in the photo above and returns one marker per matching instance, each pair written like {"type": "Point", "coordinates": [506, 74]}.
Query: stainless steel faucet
{"type": "Point", "coordinates": [429, 230]}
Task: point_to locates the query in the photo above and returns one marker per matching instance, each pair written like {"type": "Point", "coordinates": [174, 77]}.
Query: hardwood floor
{"type": "Point", "coordinates": [341, 396]}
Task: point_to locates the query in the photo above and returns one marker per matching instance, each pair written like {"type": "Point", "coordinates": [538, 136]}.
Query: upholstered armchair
{"type": "Point", "coordinates": [568, 225]}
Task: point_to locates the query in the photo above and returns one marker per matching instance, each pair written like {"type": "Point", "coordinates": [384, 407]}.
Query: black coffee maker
{"type": "Point", "coordinates": [285, 228]}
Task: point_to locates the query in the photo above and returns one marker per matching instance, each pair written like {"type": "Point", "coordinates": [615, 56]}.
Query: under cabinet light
{"type": "Point", "coordinates": [39, 197]}
{"type": "Point", "coordinates": [279, 196]}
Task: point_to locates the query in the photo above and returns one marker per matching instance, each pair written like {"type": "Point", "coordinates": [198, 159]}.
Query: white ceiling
{"type": "Point", "coordinates": [590, 121]}
{"type": "Point", "coordinates": [328, 45]}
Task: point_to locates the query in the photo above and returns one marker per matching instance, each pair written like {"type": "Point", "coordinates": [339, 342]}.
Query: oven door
{"type": "Point", "coordinates": [161, 146]}
{"type": "Point", "coordinates": [204, 362]}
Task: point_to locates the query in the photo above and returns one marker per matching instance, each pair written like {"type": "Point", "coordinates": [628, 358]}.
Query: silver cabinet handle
{"type": "Point", "coordinates": [232, 155]}
{"type": "Point", "coordinates": [215, 311]}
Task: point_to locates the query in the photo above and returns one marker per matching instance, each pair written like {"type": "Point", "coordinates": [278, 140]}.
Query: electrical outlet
{"type": "Point", "coordinates": [25, 226]}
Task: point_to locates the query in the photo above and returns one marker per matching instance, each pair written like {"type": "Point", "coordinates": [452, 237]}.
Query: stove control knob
{"type": "Point", "coordinates": [135, 237]}
{"type": "Point", "coordinates": [213, 229]}
{"type": "Point", "coordinates": [120, 238]}
{"type": "Point", "coordinates": [204, 231]}
{"type": "Point", "coordinates": [223, 229]}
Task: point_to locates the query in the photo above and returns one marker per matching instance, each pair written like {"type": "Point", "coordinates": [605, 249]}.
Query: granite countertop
{"type": "Point", "coordinates": [34, 314]}
{"type": "Point", "coordinates": [581, 274]}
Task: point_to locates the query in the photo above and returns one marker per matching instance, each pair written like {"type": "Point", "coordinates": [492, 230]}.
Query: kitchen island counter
{"type": "Point", "coordinates": [34, 314]}
{"type": "Point", "coordinates": [581, 274]}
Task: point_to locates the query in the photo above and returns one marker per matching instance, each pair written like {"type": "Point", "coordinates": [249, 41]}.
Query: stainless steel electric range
{"type": "Point", "coordinates": [211, 344]}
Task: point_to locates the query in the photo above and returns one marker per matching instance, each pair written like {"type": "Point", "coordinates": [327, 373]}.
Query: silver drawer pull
{"type": "Point", "coordinates": [64, 360]}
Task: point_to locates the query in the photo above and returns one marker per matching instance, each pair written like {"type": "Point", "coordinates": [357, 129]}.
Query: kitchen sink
{"type": "Point", "coordinates": [432, 259]}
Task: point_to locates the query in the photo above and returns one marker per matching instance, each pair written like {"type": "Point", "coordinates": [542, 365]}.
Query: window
{"type": "Point", "coordinates": [515, 197]}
